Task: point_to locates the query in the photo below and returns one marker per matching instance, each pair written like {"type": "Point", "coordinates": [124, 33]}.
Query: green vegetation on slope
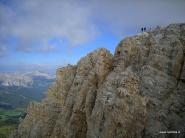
{"type": "Point", "coordinates": [14, 100]}
{"type": "Point", "coordinates": [9, 120]}
{"type": "Point", "coordinates": [15, 97]}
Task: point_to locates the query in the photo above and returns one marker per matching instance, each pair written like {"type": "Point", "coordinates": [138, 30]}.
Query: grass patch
{"type": "Point", "coordinates": [6, 130]}
{"type": "Point", "coordinates": [9, 120]}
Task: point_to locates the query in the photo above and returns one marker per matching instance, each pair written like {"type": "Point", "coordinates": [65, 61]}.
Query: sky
{"type": "Point", "coordinates": [47, 34]}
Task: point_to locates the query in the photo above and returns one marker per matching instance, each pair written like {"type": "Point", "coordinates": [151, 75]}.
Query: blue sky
{"type": "Point", "coordinates": [44, 34]}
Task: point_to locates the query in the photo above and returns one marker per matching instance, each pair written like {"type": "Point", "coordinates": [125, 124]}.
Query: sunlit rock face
{"type": "Point", "coordinates": [136, 93]}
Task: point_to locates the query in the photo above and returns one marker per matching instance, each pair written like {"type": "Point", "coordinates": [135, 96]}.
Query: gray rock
{"type": "Point", "coordinates": [139, 92]}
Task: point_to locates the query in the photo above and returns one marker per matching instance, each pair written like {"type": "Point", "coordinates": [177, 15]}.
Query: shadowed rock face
{"type": "Point", "coordinates": [136, 93]}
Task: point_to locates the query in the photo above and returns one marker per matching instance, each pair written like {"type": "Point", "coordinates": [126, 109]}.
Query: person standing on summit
{"type": "Point", "coordinates": [142, 29]}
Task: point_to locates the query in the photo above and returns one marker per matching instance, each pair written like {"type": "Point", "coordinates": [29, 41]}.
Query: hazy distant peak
{"type": "Point", "coordinates": [40, 74]}
{"type": "Point", "coordinates": [22, 79]}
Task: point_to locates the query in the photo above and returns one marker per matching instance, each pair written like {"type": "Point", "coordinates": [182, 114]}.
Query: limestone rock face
{"type": "Point", "coordinates": [135, 93]}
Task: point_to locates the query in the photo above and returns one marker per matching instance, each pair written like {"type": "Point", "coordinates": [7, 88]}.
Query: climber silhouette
{"type": "Point", "coordinates": [142, 29]}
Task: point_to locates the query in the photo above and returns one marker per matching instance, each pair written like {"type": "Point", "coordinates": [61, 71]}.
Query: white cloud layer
{"type": "Point", "coordinates": [35, 21]}
{"type": "Point", "coordinates": [28, 67]}
{"type": "Point", "coordinates": [80, 21]}
{"type": "Point", "coordinates": [124, 15]}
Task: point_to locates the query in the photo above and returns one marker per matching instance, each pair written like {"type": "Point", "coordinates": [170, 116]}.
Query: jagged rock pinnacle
{"type": "Point", "coordinates": [138, 92]}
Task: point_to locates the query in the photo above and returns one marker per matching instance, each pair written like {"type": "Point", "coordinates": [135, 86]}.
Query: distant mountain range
{"type": "Point", "coordinates": [23, 79]}
{"type": "Point", "coordinates": [18, 89]}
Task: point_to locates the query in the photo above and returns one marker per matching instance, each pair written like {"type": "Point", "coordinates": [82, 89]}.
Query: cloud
{"type": "Point", "coordinates": [25, 67]}
{"type": "Point", "coordinates": [38, 46]}
{"type": "Point", "coordinates": [37, 21]}
{"type": "Point", "coordinates": [34, 22]}
{"type": "Point", "coordinates": [122, 16]}
{"type": "Point", "coordinates": [47, 48]}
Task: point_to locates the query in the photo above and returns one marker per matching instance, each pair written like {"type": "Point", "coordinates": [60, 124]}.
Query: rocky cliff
{"type": "Point", "coordinates": [135, 93]}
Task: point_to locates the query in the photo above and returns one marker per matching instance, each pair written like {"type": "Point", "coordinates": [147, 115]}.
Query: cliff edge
{"type": "Point", "coordinates": [136, 93]}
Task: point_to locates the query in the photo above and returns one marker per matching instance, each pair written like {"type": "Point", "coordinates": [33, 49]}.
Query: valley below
{"type": "Point", "coordinates": [16, 92]}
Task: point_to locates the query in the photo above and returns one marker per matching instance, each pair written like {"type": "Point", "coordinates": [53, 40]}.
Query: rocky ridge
{"type": "Point", "coordinates": [135, 93]}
